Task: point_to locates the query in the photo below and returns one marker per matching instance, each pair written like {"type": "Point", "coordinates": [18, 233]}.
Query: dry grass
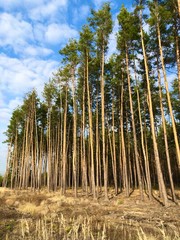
{"type": "Point", "coordinates": [86, 228]}
{"type": "Point", "coordinates": [43, 215]}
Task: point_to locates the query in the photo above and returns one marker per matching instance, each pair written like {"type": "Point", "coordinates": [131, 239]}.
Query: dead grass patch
{"type": "Point", "coordinates": [118, 218]}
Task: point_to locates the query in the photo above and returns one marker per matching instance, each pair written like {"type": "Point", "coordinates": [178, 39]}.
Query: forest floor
{"type": "Point", "coordinates": [25, 214]}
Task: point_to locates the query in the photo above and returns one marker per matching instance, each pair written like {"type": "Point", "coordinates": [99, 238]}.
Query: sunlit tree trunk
{"type": "Point", "coordinates": [114, 160]}
{"type": "Point", "coordinates": [162, 187]}
{"type": "Point", "coordinates": [90, 129]}
{"type": "Point", "coordinates": [74, 133]}
{"type": "Point", "coordinates": [98, 158]}
{"type": "Point", "coordinates": [84, 163]}
{"type": "Point", "coordinates": [167, 89]}
{"type": "Point", "coordinates": [165, 138]}
{"type": "Point", "coordinates": [134, 128]}
{"type": "Point", "coordinates": [103, 126]}
{"type": "Point", "coordinates": [145, 154]}
{"type": "Point", "coordinates": [123, 151]}
{"type": "Point", "coordinates": [64, 150]}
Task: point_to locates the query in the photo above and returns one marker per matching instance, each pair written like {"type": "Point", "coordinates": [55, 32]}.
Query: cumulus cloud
{"type": "Point", "coordinates": [59, 33]}
{"type": "Point", "coordinates": [19, 76]}
{"type": "Point", "coordinates": [39, 30]}
{"type": "Point", "coordinates": [9, 4]}
{"type": "Point", "coordinates": [20, 36]}
{"type": "Point", "coordinates": [47, 10]}
{"type": "Point", "coordinates": [30, 33]}
{"type": "Point", "coordinates": [36, 51]}
{"type": "Point", "coordinates": [42, 7]}
{"type": "Point", "coordinates": [26, 39]}
{"type": "Point", "coordinates": [14, 31]}
{"type": "Point", "coordinates": [5, 115]}
{"type": "Point", "coordinates": [6, 111]}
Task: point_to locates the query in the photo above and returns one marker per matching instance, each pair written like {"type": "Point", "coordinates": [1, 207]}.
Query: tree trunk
{"type": "Point", "coordinates": [134, 128]}
{"type": "Point", "coordinates": [74, 134]}
{"type": "Point", "coordinates": [90, 130]}
{"type": "Point", "coordinates": [124, 159]}
{"type": "Point", "coordinates": [165, 138]}
{"type": "Point", "coordinates": [64, 151]}
{"type": "Point", "coordinates": [103, 127]}
{"type": "Point", "coordinates": [98, 160]}
{"type": "Point", "coordinates": [145, 154]}
{"type": "Point", "coordinates": [114, 161]}
{"type": "Point", "coordinates": [84, 163]}
{"type": "Point", "coordinates": [162, 187]}
{"type": "Point", "coordinates": [167, 91]}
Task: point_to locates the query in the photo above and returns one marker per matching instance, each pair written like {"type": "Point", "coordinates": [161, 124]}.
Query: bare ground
{"type": "Point", "coordinates": [124, 218]}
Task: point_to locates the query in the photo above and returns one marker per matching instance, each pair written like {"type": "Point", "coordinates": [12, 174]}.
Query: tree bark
{"type": "Point", "coordinates": [134, 128]}
{"type": "Point", "coordinates": [162, 187]}
{"type": "Point", "coordinates": [167, 91]}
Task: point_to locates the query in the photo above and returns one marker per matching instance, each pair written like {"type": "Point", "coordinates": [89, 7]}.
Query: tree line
{"type": "Point", "coordinates": [106, 122]}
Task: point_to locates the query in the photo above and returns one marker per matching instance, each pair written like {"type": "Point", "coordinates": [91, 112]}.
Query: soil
{"type": "Point", "coordinates": [131, 212]}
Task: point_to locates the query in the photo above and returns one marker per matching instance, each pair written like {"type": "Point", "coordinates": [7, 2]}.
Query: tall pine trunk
{"type": "Point", "coordinates": [90, 129]}
{"type": "Point", "coordinates": [103, 126]}
{"type": "Point", "coordinates": [74, 133]}
{"type": "Point", "coordinates": [165, 137]}
{"type": "Point", "coordinates": [167, 90]}
{"type": "Point", "coordinates": [161, 183]}
{"type": "Point", "coordinates": [64, 150]}
{"type": "Point", "coordinates": [123, 150]}
{"type": "Point", "coordinates": [134, 128]}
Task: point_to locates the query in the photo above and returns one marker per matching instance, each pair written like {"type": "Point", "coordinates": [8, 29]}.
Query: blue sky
{"type": "Point", "coordinates": [31, 33]}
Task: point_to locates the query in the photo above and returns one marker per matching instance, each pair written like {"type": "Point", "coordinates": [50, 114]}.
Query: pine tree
{"type": "Point", "coordinates": [128, 34]}
{"type": "Point", "coordinates": [102, 24]}
{"type": "Point", "coordinates": [70, 55]}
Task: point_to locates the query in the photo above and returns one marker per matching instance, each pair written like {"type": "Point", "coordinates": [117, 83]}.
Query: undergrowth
{"type": "Point", "coordinates": [88, 228]}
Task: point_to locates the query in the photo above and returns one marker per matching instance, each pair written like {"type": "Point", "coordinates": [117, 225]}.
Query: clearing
{"type": "Point", "coordinates": [25, 214]}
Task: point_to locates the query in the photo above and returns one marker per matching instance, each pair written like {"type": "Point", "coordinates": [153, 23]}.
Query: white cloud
{"type": "Point", "coordinates": [47, 10]}
{"type": "Point", "coordinates": [84, 10]}
{"type": "Point", "coordinates": [5, 118]}
{"type": "Point", "coordinates": [39, 30]}
{"type": "Point", "coordinates": [2, 99]}
{"type": "Point", "coordinates": [14, 103]}
{"type": "Point", "coordinates": [113, 39]}
{"type": "Point", "coordinates": [5, 115]}
{"type": "Point", "coordinates": [8, 108]}
{"type": "Point", "coordinates": [98, 3]}
{"type": "Point", "coordinates": [146, 27]}
{"type": "Point", "coordinates": [80, 13]}
{"type": "Point", "coordinates": [37, 51]}
{"type": "Point", "coordinates": [59, 33]}
{"type": "Point", "coordinates": [28, 28]}
{"type": "Point", "coordinates": [170, 77]}
{"type": "Point", "coordinates": [3, 154]}
{"type": "Point", "coordinates": [33, 3]}
{"type": "Point", "coordinates": [20, 36]}
{"type": "Point", "coordinates": [19, 76]}
{"type": "Point", "coordinates": [14, 32]}
{"type": "Point", "coordinates": [9, 4]}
